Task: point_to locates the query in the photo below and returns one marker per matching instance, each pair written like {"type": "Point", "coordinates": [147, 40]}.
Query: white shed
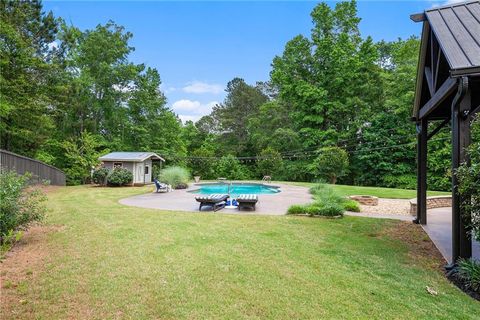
{"type": "Point", "coordinates": [139, 163]}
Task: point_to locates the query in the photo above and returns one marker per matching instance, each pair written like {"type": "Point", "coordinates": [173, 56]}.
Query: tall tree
{"type": "Point", "coordinates": [26, 54]}
{"type": "Point", "coordinates": [330, 80]}
{"type": "Point", "coordinates": [242, 102]}
{"type": "Point", "coordinates": [101, 79]}
{"type": "Point", "coordinates": [383, 155]}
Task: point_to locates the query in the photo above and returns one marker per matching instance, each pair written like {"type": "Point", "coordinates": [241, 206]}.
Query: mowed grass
{"type": "Point", "coordinates": [390, 193]}
{"type": "Point", "coordinates": [112, 261]}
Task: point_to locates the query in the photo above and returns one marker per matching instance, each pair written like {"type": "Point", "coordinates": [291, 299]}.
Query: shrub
{"type": "Point", "coordinates": [229, 167]}
{"type": "Point", "coordinates": [99, 176]}
{"type": "Point", "coordinates": [119, 177]}
{"type": "Point", "coordinates": [182, 185]}
{"type": "Point", "coordinates": [469, 187]}
{"type": "Point", "coordinates": [469, 273]}
{"type": "Point", "coordinates": [351, 205]}
{"type": "Point", "coordinates": [175, 176]}
{"type": "Point", "coordinates": [297, 209]}
{"type": "Point", "coordinates": [325, 194]}
{"type": "Point", "coordinates": [326, 210]}
{"type": "Point", "coordinates": [331, 164]}
{"type": "Point", "coordinates": [19, 205]}
{"type": "Point", "coordinates": [317, 209]}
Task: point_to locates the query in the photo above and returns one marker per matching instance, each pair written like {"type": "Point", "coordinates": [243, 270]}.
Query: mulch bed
{"type": "Point", "coordinates": [461, 285]}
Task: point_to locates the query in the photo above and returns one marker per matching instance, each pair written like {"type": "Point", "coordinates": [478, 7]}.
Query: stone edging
{"type": "Point", "coordinates": [365, 200]}
{"type": "Point", "coordinates": [432, 202]}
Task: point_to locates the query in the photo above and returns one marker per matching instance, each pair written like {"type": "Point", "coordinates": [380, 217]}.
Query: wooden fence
{"type": "Point", "coordinates": [40, 171]}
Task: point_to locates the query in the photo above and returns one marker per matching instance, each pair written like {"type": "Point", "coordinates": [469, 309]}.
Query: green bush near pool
{"type": "Point", "coordinates": [297, 209]}
{"type": "Point", "coordinates": [175, 176]}
{"type": "Point", "coordinates": [351, 205]}
{"type": "Point", "coordinates": [327, 203]}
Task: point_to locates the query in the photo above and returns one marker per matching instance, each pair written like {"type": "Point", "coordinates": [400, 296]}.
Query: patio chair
{"type": "Point", "coordinates": [162, 187]}
{"type": "Point", "coordinates": [216, 200]}
{"type": "Point", "coordinates": [247, 201]}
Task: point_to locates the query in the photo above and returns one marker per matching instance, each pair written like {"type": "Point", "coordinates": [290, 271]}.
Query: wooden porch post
{"type": "Point", "coordinates": [422, 137]}
{"type": "Point", "coordinates": [461, 240]}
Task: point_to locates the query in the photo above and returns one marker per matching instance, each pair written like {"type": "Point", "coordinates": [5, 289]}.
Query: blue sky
{"type": "Point", "coordinates": [199, 46]}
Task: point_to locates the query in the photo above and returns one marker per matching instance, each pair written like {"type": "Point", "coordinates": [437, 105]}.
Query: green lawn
{"type": "Point", "coordinates": [390, 193]}
{"type": "Point", "coordinates": [113, 261]}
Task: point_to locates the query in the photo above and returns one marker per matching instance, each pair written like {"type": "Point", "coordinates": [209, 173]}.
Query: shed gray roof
{"type": "Point", "coordinates": [457, 28]}
{"type": "Point", "coordinates": [130, 156]}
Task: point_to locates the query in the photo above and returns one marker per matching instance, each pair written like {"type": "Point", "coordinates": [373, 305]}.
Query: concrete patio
{"type": "Point", "coordinates": [183, 200]}
{"type": "Point", "coordinates": [439, 229]}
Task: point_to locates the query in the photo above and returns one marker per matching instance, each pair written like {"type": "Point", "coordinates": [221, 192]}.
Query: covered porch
{"type": "Point", "coordinates": [447, 95]}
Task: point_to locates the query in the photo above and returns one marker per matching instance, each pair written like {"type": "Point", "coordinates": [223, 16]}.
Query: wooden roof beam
{"type": "Point", "coordinates": [429, 78]}
{"type": "Point", "coordinates": [447, 87]}
{"type": "Point", "coordinates": [418, 17]}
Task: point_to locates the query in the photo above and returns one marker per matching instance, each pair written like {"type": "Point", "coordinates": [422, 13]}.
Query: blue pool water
{"type": "Point", "coordinates": [236, 189]}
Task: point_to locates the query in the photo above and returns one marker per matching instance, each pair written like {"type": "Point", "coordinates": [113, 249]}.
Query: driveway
{"type": "Point", "coordinates": [182, 200]}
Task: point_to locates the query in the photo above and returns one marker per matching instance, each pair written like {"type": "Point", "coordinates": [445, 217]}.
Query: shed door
{"type": "Point", "coordinates": [139, 173]}
{"type": "Point", "coordinates": [148, 172]}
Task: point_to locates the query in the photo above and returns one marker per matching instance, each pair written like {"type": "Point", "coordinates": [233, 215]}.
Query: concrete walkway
{"type": "Point", "coordinates": [439, 229]}
{"type": "Point", "coordinates": [182, 200]}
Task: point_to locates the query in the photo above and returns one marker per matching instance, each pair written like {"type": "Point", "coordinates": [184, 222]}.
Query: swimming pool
{"type": "Point", "coordinates": [236, 188]}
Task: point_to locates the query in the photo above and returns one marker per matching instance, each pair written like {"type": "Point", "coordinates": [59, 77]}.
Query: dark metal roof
{"type": "Point", "coordinates": [450, 48]}
{"type": "Point", "coordinates": [130, 156]}
{"type": "Point", "coordinates": [457, 28]}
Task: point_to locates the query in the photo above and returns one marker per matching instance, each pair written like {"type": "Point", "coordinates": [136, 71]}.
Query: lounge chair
{"type": "Point", "coordinates": [247, 201]}
{"type": "Point", "coordinates": [162, 187]}
{"type": "Point", "coordinates": [216, 200]}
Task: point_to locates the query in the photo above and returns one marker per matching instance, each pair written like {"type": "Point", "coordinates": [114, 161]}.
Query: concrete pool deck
{"type": "Point", "coordinates": [183, 200]}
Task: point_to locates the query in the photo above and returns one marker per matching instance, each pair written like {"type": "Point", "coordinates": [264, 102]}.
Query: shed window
{"type": "Point", "coordinates": [117, 165]}
{"type": "Point", "coordinates": [146, 169]}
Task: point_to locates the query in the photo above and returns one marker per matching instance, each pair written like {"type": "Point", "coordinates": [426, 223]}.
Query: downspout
{"type": "Point", "coordinates": [462, 90]}
{"type": "Point", "coordinates": [456, 219]}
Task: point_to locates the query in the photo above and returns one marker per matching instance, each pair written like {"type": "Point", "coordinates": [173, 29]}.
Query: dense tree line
{"type": "Point", "coordinates": [333, 98]}
{"type": "Point", "coordinates": [70, 95]}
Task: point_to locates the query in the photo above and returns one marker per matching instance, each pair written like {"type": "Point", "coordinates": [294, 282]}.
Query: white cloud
{"type": "Point", "coordinates": [193, 106]}
{"type": "Point", "coordinates": [186, 118]}
{"type": "Point", "coordinates": [445, 3]}
{"type": "Point", "coordinates": [192, 109]}
{"type": "Point", "coordinates": [452, 1]}
{"type": "Point", "coordinates": [202, 87]}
